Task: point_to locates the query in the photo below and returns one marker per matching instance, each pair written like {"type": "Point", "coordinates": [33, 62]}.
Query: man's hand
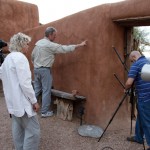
{"type": "Point", "coordinates": [84, 43]}
{"type": "Point", "coordinates": [129, 83]}
{"type": "Point", "coordinates": [126, 90]}
{"type": "Point", "coordinates": [36, 107]}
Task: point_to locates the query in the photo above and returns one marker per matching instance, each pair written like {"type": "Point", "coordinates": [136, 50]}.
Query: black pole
{"type": "Point", "coordinates": [132, 101]}
{"type": "Point", "coordinates": [132, 89]}
{"type": "Point", "coordinates": [114, 115]}
{"type": "Point", "coordinates": [120, 59]}
{"type": "Point", "coordinates": [81, 112]}
{"type": "Point", "coordinates": [119, 81]}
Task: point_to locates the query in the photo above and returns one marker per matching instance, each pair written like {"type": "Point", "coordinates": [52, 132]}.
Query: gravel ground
{"type": "Point", "coordinates": [57, 134]}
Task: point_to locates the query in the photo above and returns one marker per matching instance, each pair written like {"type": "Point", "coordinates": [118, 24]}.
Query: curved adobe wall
{"type": "Point", "coordinates": [90, 69]}
{"type": "Point", "coordinates": [130, 8]}
{"type": "Point", "coordinates": [17, 16]}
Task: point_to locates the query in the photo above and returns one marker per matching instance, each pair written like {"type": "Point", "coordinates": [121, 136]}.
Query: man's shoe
{"type": "Point", "coordinates": [132, 139]}
{"type": "Point", "coordinates": [48, 114]}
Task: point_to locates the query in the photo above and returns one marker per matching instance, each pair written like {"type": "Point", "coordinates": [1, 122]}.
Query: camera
{"type": "Point", "coordinates": [2, 44]}
{"type": "Point", "coordinates": [2, 57]}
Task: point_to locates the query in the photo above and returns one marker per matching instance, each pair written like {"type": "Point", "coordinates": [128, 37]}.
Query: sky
{"type": "Point", "coordinates": [51, 10]}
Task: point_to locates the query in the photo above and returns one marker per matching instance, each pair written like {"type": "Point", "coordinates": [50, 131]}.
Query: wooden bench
{"type": "Point", "coordinates": [65, 102]}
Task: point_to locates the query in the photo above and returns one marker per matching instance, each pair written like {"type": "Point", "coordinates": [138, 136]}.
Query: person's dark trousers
{"type": "Point", "coordinates": [143, 122]}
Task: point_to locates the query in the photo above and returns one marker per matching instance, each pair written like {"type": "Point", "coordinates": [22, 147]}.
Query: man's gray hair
{"type": "Point", "coordinates": [49, 31]}
{"type": "Point", "coordinates": [18, 42]}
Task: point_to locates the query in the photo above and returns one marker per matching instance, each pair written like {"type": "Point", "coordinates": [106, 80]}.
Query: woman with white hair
{"type": "Point", "coordinates": [19, 94]}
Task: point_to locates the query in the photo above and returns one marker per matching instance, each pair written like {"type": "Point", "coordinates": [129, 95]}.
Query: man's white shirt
{"type": "Point", "coordinates": [16, 78]}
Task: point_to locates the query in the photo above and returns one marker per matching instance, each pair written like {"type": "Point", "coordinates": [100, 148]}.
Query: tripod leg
{"type": "Point", "coordinates": [133, 116]}
{"type": "Point", "coordinates": [113, 115]}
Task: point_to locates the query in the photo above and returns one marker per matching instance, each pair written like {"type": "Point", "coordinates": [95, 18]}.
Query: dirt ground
{"type": "Point", "coordinates": [57, 134]}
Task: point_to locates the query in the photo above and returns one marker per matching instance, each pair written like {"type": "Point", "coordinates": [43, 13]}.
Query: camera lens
{"type": "Point", "coordinates": [2, 44]}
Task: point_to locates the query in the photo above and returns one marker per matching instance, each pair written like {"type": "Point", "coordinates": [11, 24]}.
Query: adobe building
{"type": "Point", "coordinates": [90, 70]}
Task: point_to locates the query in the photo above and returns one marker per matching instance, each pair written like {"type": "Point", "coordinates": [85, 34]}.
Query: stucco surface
{"type": "Point", "coordinates": [130, 8]}
{"type": "Point", "coordinates": [16, 17]}
{"type": "Point", "coordinates": [90, 69]}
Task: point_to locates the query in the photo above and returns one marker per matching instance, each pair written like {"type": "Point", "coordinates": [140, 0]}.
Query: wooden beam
{"type": "Point", "coordinates": [136, 21]}
{"type": "Point", "coordinates": [66, 95]}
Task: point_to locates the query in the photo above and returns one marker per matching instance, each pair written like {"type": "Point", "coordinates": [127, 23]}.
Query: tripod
{"type": "Point", "coordinates": [133, 100]}
{"type": "Point", "coordinates": [122, 100]}
{"type": "Point", "coordinates": [131, 92]}
{"type": "Point", "coordinates": [128, 92]}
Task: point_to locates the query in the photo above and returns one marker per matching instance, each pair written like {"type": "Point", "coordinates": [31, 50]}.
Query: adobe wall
{"type": "Point", "coordinates": [130, 9]}
{"type": "Point", "coordinates": [16, 16]}
{"type": "Point", "coordinates": [91, 69]}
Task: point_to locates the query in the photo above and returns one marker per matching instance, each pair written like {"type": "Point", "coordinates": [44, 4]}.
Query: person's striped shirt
{"type": "Point", "coordinates": [142, 87]}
